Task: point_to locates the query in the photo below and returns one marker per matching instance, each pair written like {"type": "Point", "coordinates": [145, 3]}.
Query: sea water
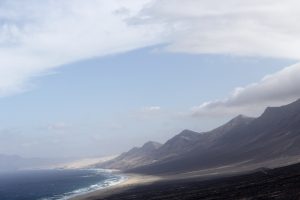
{"type": "Point", "coordinates": [53, 184]}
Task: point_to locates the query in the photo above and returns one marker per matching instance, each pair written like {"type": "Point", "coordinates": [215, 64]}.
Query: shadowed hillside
{"type": "Point", "coordinates": [273, 135]}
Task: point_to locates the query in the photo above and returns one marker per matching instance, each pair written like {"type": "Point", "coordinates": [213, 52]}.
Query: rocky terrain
{"type": "Point", "coordinates": [281, 183]}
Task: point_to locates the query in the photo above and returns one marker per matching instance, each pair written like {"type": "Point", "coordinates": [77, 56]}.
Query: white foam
{"type": "Point", "coordinates": [111, 181]}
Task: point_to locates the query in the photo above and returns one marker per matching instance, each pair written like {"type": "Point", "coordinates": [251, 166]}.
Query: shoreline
{"type": "Point", "coordinates": [136, 180]}
{"type": "Point", "coordinates": [131, 181]}
{"type": "Point", "coordinates": [95, 187]}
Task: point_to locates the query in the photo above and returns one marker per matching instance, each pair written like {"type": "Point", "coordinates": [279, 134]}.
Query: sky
{"type": "Point", "coordinates": [94, 78]}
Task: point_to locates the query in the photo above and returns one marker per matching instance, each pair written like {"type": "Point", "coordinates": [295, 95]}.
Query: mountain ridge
{"type": "Point", "coordinates": [272, 135]}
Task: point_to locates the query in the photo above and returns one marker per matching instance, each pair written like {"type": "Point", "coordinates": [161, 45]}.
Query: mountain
{"type": "Point", "coordinates": [183, 142]}
{"type": "Point", "coordinates": [188, 140]}
{"type": "Point", "coordinates": [133, 158]}
{"type": "Point", "coordinates": [177, 146]}
{"type": "Point", "coordinates": [275, 134]}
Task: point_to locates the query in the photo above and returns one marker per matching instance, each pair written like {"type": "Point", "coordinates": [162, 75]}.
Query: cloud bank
{"type": "Point", "coordinates": [273, 90]}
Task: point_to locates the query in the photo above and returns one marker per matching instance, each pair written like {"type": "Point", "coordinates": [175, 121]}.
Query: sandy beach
{"type": "Point", "coordinates": [132, 180]}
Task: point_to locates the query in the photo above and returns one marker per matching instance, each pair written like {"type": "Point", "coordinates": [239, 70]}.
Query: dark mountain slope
{"type": "Point", "coordinates": [134, 157]}
{"type": "Point", "coordinates": [152, 152]}
{"type": "Point", "coordinates": [275, 134]}
{"type": "Point", "coordinates": [181, 143]}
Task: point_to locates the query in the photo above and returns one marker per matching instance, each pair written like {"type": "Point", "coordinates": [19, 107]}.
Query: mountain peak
{"type": "Point", "coordinates": [151, 145]}
{"type": "Point", "coordinates": [282, 111]}
{"type": "Point", "coordinates": [187, 133]}
{"type": "Point", "coordinates": [239, 120]}
{"type": "Point", "coordinates": [242, 118]}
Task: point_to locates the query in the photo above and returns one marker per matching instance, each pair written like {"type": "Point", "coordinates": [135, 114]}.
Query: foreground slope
{"type": "Point", "coordinates": [280, 183]}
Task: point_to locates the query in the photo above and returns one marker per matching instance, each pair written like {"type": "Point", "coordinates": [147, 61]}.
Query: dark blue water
{"type": "Point", "coordinates": [52, 184]}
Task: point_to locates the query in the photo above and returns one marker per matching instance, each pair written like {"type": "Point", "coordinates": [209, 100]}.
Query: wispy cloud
{"type": "Point", "coordinates": [59, 126]}
{"type": "Point", "coordinates": [151, 109]}
{"type": "Point", "coordinates": [37, 36]}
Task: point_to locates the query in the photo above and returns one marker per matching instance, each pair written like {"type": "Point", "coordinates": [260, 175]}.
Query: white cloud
{"type": "Point", "coordinates": [151, 109]}
{"type": "Point", "coordinates": [38, 36]}
{"type": "Point", "coordinates": [249, 27]}
{"type": "Point", "coordinates": [273, 90]}
{"type": "Point", "coordinates": [59, 126]}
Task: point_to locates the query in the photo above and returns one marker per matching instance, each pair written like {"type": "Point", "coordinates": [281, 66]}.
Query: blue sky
{"type": "Point", "coordinates": [104, 98]}
{"type": "Point", "coordinates": [97, 78]}
{"type": "Point", "coordinates": [130, 81]}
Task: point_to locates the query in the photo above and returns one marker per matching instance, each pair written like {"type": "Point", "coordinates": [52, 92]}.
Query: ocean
{"type": "Point", "coordinates": [53, 184]}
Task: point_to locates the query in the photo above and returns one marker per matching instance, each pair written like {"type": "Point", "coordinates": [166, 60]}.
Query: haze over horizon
{"type": "Point", "coordinates": [82, 78]}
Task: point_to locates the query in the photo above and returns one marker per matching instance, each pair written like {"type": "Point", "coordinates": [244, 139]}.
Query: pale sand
{"type": "Point", "coordinates": [131, 181]}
